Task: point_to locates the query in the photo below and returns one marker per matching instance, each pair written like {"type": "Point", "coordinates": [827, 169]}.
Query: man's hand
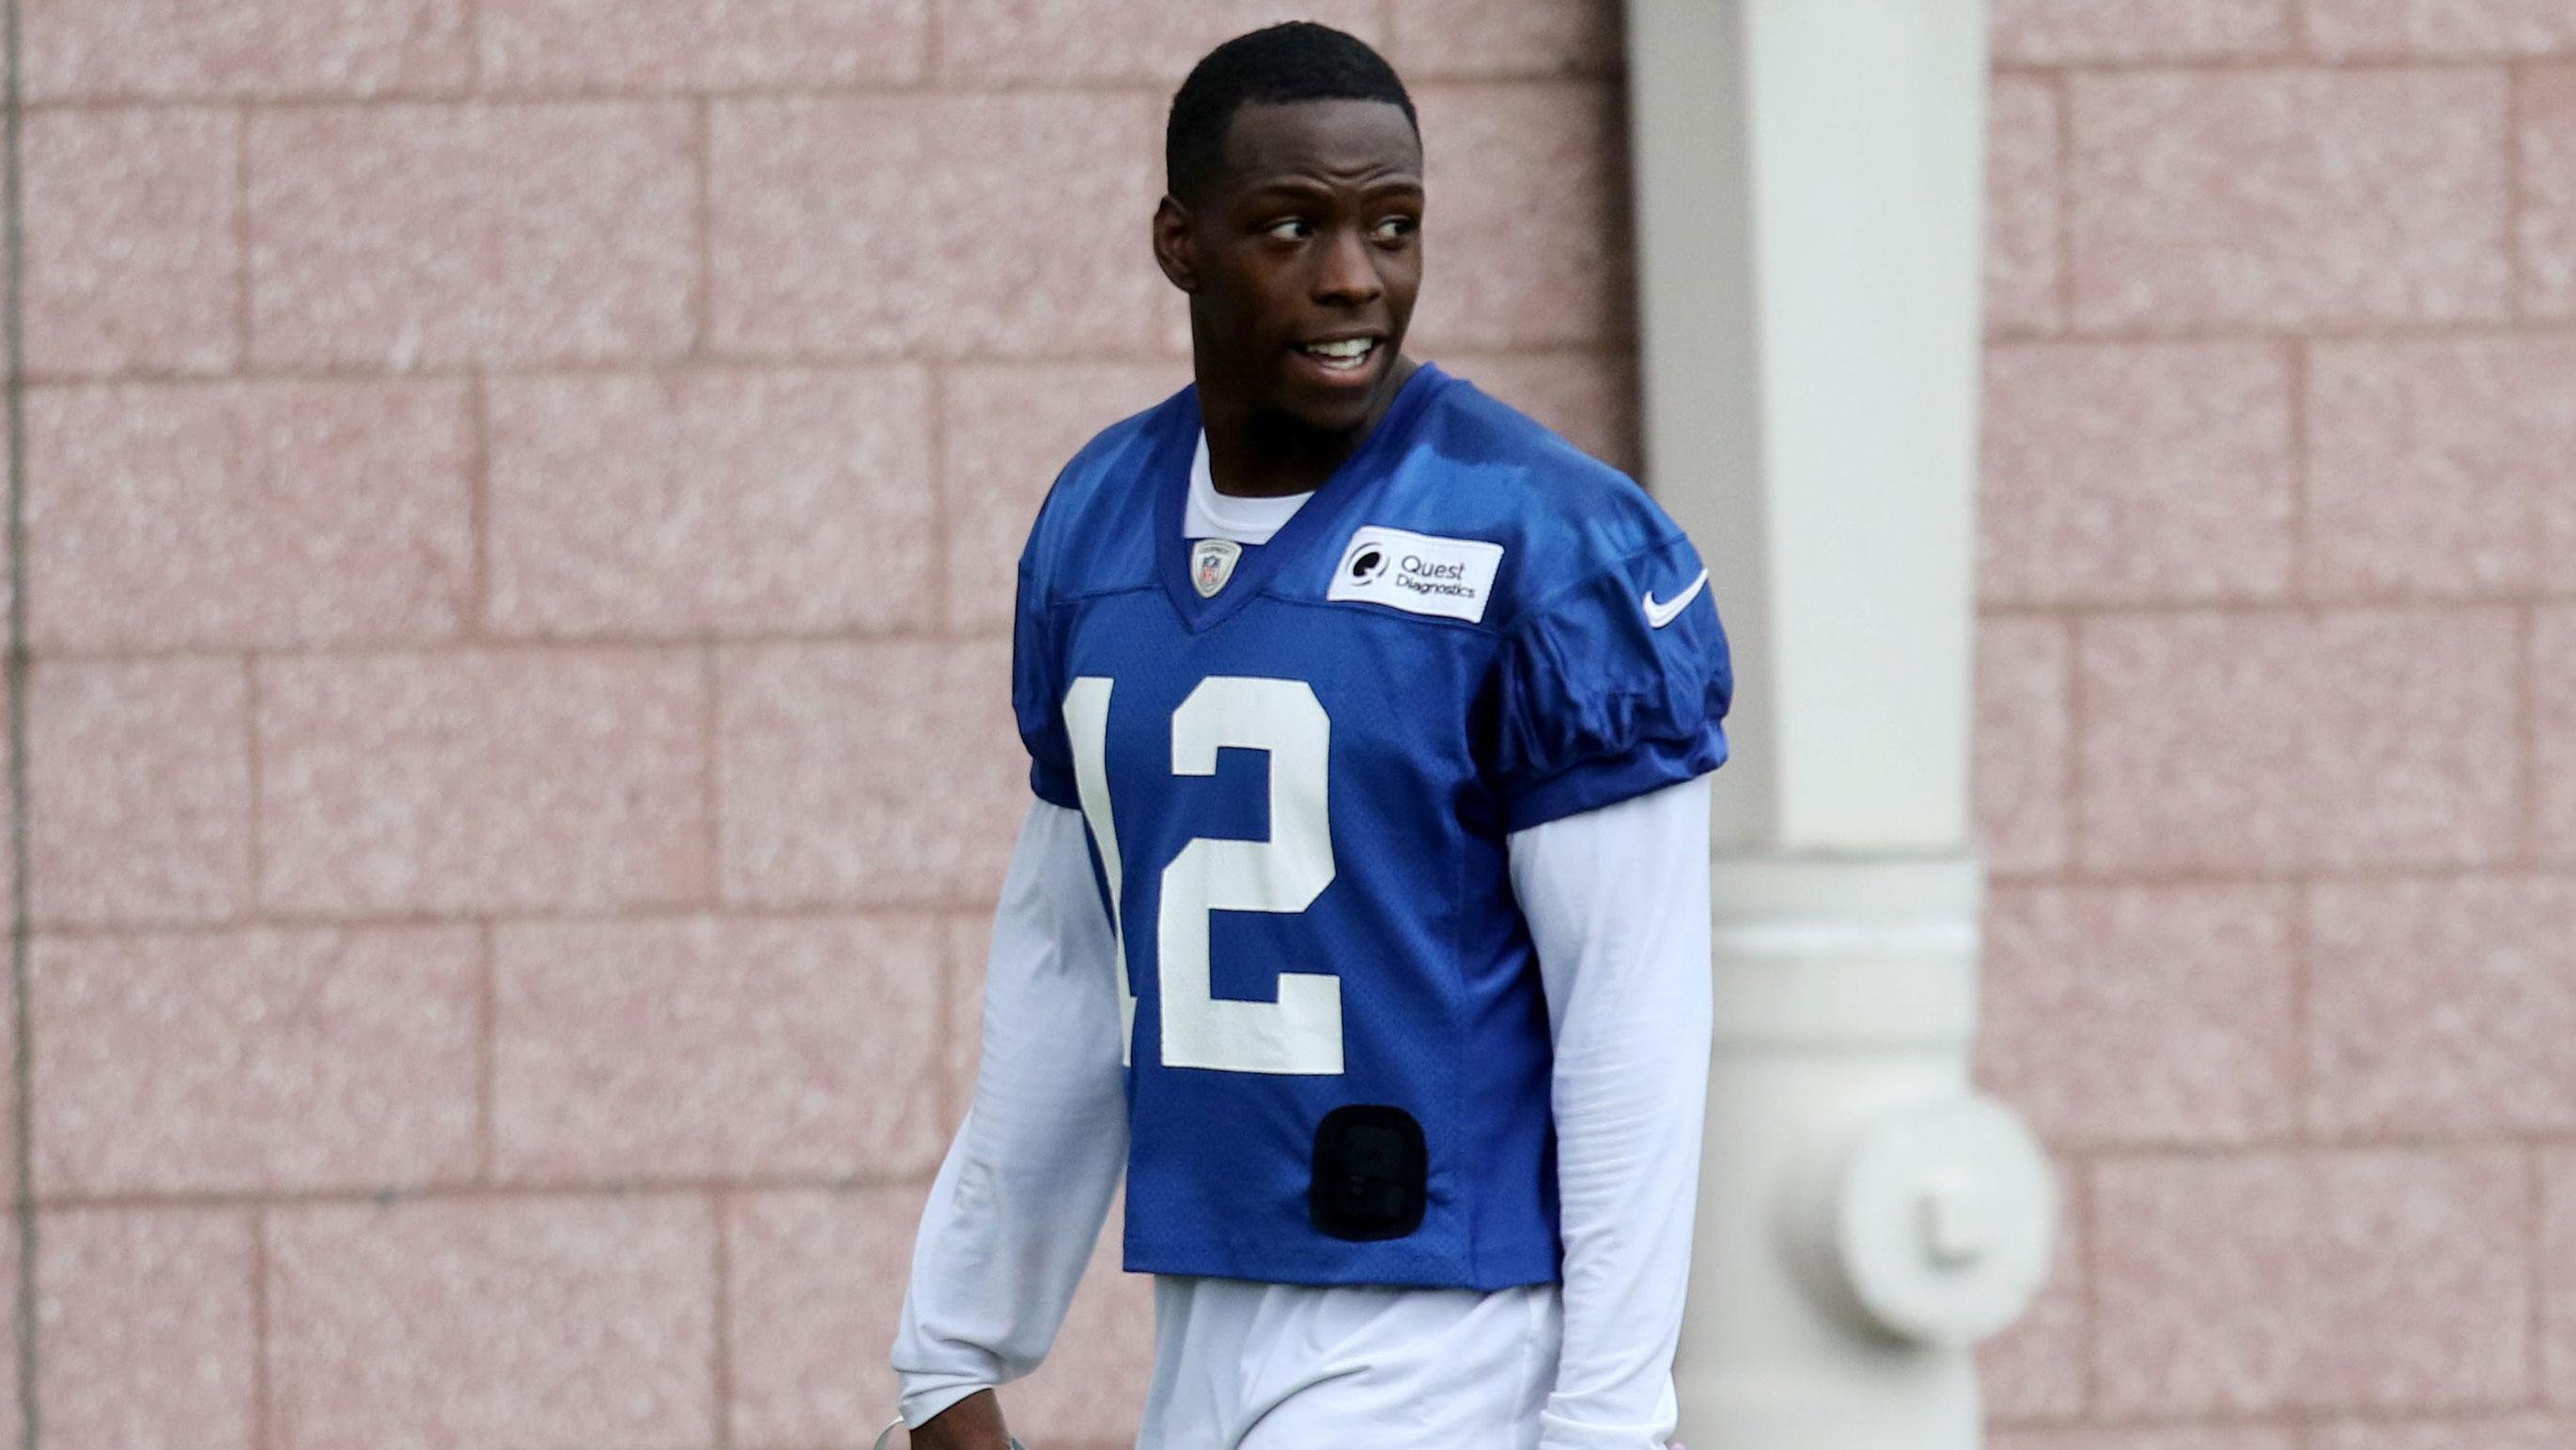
{"type": "Point", "coordinates": [973, 1423]}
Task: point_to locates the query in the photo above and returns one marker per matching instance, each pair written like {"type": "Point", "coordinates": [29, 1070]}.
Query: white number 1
{"type": "Point", "coordinates": [1301, 1032]}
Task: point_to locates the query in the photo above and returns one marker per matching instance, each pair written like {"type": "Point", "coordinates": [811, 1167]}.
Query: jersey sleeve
{"type": "Point", "coordinates": [1611, 687]}
{"type": "Point", "coordinates": [1036, 694]}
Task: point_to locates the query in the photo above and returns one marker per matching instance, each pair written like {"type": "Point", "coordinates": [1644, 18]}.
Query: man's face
{"type": "Point", "coordinates": [1303, 257]}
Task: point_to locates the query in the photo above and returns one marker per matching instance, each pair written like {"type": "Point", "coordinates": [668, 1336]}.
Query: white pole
{"type": "Point", "coordinates": [1809, 188]}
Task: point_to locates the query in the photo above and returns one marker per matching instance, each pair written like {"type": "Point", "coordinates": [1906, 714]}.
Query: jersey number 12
{"type": "Point", "coordinates": [1301, 1032]}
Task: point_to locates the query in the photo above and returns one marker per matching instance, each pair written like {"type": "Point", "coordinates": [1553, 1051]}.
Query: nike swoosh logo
{"type": "Point", "coordinates": [1660, 615]}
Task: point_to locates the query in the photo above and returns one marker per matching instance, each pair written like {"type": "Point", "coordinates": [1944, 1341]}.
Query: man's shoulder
{"type": "Point", "coordinates": [1484, 469]}
{"type": "Point", "coordinates": [1112, 459]}
{"type": "Point", "coordinates": [1123, 442]}
{"type": "Point", "coordinates": [1097, 489]}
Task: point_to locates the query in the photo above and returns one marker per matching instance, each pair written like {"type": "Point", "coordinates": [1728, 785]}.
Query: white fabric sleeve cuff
{"type": "Point", "coordinates": [1555, 1432]}
{"type": "Point", "coordinates": [927, 1397]}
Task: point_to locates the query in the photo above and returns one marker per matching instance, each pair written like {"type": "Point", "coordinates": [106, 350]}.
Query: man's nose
{"type": "Point", "coordinates": [1347, 273]}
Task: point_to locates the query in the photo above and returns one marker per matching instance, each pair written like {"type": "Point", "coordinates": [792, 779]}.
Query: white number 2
{"type": "Point", "coordinates": [1301, 1032]}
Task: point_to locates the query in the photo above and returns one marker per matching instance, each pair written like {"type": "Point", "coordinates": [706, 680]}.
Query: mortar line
{"type": "Point", "coordinates": [255, 837]}
{"type": "Point", "coordinates": [487, 1051]}
{"type": "Point", "coordinates": [632, 914]}
{"type": "Point", "coordinates": [475, 616]}
{"type": "Point", "coordinates": [700, 1181]}
{"type": "Point", "coordinates": [244, 312]}
{"type": "Point", "coordinates": [260, 1412]}
{"type": "Point", "coordinates": [13, 341]}
{"type": "Point", "coordinates": [2526, 736]}
{"type": "Point", "coordinates": [2300, 577]}
{"type": "Point", "coordinates": [2536, 1208]}
{"type": "Point", "coordinates": [2071, 861]}
{"type": "Point", "coordinates": [711, 769]}
{"type": "Point", "coordinates": [2517, 270]}
{"type": "Point", "coordinates": [720, 1208]}
{"type": "Point", "coordinates": [2302, 1122]}
{"type": "Point", "coordinates": [681, 642]}
{"type": "Point", "coordinates": [826, 908]}
{"type": "Point", "coordinates": [2088, 1214]}
{"type": "Point", "coordinates": [2355, 63]}
{"type": "Point", "coordinates": [2062, 199]}
{"type": "Point", "coordinates": [473, 23]}
{"type": "Point", "coordinates": [702, 148]}
{"type": "Point", "coordinates": [694, 1187]}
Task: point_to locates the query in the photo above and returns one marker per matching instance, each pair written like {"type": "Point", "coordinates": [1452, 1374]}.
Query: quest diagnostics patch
{"type": "Point", "coordinates": [1418, 573]}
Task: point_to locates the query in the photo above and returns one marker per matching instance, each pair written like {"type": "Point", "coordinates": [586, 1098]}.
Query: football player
{"type": "Point", "coordinates": [1360, 922]}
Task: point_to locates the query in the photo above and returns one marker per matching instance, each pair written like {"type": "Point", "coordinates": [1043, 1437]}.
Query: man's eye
{"type": "Point", "coordinates": [1395, 228]}
{"type": "Point", "coordinates": [1292, 229]}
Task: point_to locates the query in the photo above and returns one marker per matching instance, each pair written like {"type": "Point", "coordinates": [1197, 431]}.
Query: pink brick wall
{"type": "Point", "coordinates": [2277, 741]}
{"type": "Point", "coordinates": [520, 498]}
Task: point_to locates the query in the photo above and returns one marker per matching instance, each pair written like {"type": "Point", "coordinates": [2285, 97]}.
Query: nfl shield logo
{"type": "Point", "coordinates": [1212, 563]}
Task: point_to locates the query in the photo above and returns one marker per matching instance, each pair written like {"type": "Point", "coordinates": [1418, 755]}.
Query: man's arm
{"type": "Point", "coordinates": [1019, 1200]}
{"type": "Point", "coordinates": [1618, 907]}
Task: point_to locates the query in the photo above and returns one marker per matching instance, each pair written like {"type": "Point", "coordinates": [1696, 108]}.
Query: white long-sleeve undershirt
{"type": "Point", "coordinates": [1617, 905]}
{"type": "Point", "coordinates": [1018, 1202]}
{"type": "Point", "coordinates": [1616, 900]}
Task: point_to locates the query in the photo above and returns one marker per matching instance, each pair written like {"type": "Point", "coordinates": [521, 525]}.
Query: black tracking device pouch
{"type": "Point", "coordinates": [1372, 1173]}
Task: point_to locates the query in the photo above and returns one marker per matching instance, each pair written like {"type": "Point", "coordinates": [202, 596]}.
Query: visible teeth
{"type": "Point", "coordinates": [1349, 348]}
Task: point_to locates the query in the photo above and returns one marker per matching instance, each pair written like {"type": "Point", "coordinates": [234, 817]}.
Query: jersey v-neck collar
{"type": "Point", "coordinates": [1170, 469]}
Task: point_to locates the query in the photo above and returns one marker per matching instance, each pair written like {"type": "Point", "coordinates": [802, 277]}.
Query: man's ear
{"type": "Point", "coordinates": [1173, 248]}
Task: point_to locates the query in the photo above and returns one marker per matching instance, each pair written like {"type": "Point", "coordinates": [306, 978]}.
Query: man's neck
{"type": "Point", "coordinates": [1258, 454]}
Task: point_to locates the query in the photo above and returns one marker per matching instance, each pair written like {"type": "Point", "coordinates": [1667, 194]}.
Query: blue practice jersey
{"type": "Point", "coordinates": [1298, 788]}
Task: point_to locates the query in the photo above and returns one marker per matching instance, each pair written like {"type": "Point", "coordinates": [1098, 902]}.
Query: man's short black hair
{"type": "Point", "coordinates": [1295, 61]}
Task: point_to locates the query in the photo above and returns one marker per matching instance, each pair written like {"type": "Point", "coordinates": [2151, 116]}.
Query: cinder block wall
{"type": "Point", "coordinates": [2277, 747]}
{"type": "Point", "coordinates": [520, 502]}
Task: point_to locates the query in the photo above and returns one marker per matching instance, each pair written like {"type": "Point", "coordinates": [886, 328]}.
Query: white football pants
{"type": "Point", "coordinates": [1246, 1366]}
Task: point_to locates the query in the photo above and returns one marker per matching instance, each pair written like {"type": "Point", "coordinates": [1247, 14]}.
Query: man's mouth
{"type": "Point", "coordinates": [1347, 355]}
